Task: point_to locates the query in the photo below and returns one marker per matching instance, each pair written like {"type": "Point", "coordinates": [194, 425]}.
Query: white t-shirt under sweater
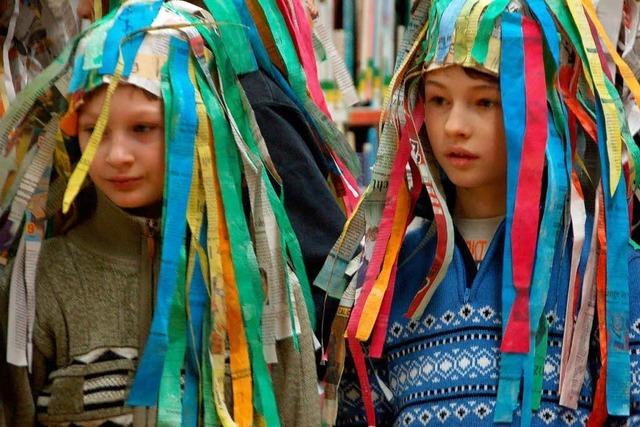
{"type": "Point", "coordinates": [477, 233]}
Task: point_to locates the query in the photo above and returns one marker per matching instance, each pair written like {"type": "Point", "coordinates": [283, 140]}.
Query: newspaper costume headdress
{"type": "Point", "coordinates": [191, 59]}
{"type": "Point", "coordinates": [564, 124]}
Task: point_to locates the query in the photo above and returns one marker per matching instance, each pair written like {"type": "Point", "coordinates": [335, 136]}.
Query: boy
{"type": "Point", "coordinates": [152, 85]}
{"type": "Point", "coordinates": [484, 137]}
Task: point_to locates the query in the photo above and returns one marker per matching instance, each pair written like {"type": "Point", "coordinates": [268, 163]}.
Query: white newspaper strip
{"type": "Point", "coordinates": [17, 343]}
{"type": "Point", "coordinates": [343, 77]}
{"type": "Point", "coordinates": [45, 146]}
{"type": "Point", "coordinates": [610, 14]}
{"type": "Point", "coordinates": [257, 135]}
{"type": "Point", "coordinates": [418, 19]}
{"type": "Point", "coordinates": [22, 301]}
{"type": "Point", "coordinates": [276, 322]}
{"type": "Point", "coordinates": [7, 78]}
{"type": "Point", "coordinates": [277, 317]}
{"type": "Point", "coordinates": [573, 378]}
{"type": "Point", "coordinates": [578, 220]}
{"type": "Point", "coordinates": [64, 10]}
{"type": "Point", "coordinates": [633, 115]}
{"type": "Point", "coordinates": [631, 31]}
{"type": "Point", "coordinates": [349, 296]}
{"type": "Point", "coordinates": [23, 277]}
{"type": "Point", "coordinates": [439, 206]}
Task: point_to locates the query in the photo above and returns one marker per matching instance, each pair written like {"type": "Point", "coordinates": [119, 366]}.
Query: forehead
{"type": "Point", "coordinates": [125, 96]}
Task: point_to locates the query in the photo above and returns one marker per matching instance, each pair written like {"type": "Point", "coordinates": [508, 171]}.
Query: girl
{"type": "Point", "coordinates": [504, 132]}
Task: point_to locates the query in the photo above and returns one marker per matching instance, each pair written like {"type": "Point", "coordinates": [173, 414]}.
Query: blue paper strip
{"type": "Point", "coordinates": [617, 304]}
{"type": "Point", "coordinates": [541, 12]}
{"type": "Point", "coordinates": [512, 87]}
{"type": "Point", "coordinates": [547, 251]}
{"type": "Point", "coordinates": [447, 26]}
{"type": "Point", "coordinates": [198, 303]}
{"type": "Point", "coordinates": [181, 131]}
{"type": "Point", "coordinates": [79, 76]}
{"type": "Point", "coordinates": [131, 19]}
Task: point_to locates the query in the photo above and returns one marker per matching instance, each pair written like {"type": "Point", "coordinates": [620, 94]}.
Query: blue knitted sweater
{"type": "Point", "coordinates": [443, 369]}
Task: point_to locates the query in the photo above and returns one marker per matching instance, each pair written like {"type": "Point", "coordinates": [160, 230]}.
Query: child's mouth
{"type": "Point", "coordinates": [122, 183]}
{"type": "Point", "coordinates": [461, 158]}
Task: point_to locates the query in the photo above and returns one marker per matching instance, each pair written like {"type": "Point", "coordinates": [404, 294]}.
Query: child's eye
{"type": "Point", "coordinates": [436, 100]}
{"type": "Point", "coordinates": [143, 128]}
{"type": "Point", "coordinates": [487, 103]}
{"type": "Point", "coordinates": [87, 129]}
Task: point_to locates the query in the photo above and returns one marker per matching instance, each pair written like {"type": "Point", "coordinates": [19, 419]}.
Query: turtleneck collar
{"type": "Point", "coordinates": [111, 231]}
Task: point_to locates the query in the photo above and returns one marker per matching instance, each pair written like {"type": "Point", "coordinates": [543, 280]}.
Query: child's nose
{"type": "Point", "coordinates": [119, 150]}
{"type": "Point", "coordinates": [458, 122]}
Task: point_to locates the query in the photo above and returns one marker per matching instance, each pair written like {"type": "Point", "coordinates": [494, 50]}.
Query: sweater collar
{"type": "Point", "coordinates": [114, 231]}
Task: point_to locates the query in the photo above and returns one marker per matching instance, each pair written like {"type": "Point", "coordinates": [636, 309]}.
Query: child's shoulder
{"type": "Point", "coordinates": [55, 262]}
{"type": "Point", "coordinates": [418, 235]}
{"type": "Point", "coordinates": [55, 248]}
{"type": "Point", "coordinates": [52, 271]}
{"type": "Point", "coordinates": [634, 254]}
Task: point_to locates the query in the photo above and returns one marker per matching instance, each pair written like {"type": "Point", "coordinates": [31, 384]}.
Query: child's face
{"type": "Point", "coordinates": [129, 164]}
{"type": "Point", "coordinates": [464, 124]}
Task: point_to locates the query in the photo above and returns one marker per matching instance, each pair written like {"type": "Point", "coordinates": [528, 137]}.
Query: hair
{"type": "Point", "coordinates": [474, 73]}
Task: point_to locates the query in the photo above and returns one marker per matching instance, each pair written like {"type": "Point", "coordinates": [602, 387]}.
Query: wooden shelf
{"type": "Point", "coordinates": [363, 116]}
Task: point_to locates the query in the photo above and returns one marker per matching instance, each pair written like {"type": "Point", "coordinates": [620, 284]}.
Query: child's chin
{"type": "Point", "coordinates": [138, 205]}
{"type": "Point", "coordinates": [127, 202]}
{"type": "Point", "coordinates": [152, 210]}
{"type": "Point", "coordinates": [461, 181]}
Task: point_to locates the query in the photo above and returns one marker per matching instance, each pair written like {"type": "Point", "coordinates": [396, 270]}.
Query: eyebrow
{"type": "Point", "coordinates": [143, 112]}
{"type": "Point", "coordinates": [483, 85]}
{"type": "Point", "coordinates": [90, 116]}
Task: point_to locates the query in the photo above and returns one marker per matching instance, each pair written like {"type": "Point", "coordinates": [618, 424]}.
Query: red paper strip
{"type": "Point", "coordinates": [526, 214]}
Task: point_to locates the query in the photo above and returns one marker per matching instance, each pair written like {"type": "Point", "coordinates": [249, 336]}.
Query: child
{"type": "Point", "coordinates": [230, 337]}
{"type": "Point", "coordinates": [502, 127]}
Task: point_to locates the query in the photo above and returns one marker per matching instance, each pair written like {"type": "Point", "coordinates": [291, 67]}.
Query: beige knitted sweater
{"type": "Point", "coordinates": [95, 296]}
